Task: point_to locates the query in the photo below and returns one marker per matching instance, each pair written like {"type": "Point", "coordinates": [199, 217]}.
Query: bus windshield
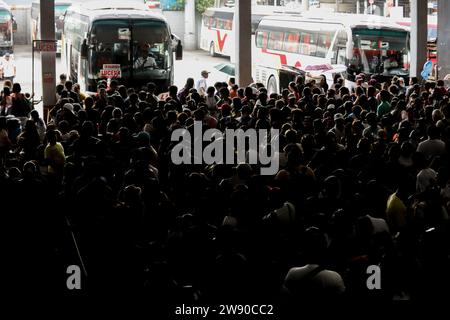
{"type": "Point", "coordinates": [60, 10]}
{"type": "Point", "coordinates": [5, 27]}
{"type": "Point", "coordinates": [380, 51]}
{"type": "Point", "coordinates": [5, 16]}
{"type": "Point", "coordinates": [139, 48]}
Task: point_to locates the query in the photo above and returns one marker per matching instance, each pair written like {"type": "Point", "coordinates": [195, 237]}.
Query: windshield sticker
{"type": "Point", "coordinates": [124, 34]}
{"type": "Point", "coordinates": [365, 44]}
{"type": "Point", "coordinates": [384, 45]}
{"type": "Point", "coordinates": [111, 71]}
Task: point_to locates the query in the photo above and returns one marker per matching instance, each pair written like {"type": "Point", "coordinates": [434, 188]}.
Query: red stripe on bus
{"type": "Point", "coordinates": [283, 58]}
{"type": "Point", "coordinates": [220, 40]}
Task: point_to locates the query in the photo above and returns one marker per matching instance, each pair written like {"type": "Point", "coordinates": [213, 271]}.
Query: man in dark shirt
{"type": "Point", "coordinates": [72, 94]}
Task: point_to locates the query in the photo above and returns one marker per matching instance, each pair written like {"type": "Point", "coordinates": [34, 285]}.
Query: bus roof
{"type": "Point", "coordinates": [115, 9]}
{"type": "Point", "coordinates": [4, 5]}
{"type": "Point", "coordinates": [346, 20]}
{"type": "Point", "coordinates": [58, 2]}
{"type": "Point", "coordinates": [432, 21]}
{"type": "Point", "coordinates": [256, 10]}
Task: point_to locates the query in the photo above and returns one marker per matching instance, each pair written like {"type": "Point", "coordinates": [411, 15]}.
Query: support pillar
{"type": "Point", "coordinates": [419, 34]}
{"type": "Point", "coordinates": [243, 38]}
{"type": "Point", "coordinates": [305, 5]}
{"type": "Point", "coordinates": [48, 59]}
{"type": "Point", "coordinates": [190, 34]}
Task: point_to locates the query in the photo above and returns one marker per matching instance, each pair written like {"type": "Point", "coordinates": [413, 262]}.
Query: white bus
{"type": "Point", "coordinates": [345, 44]}
{"type": "Point", "coordinates": [60, 9]}
{"type": "Point", "coordinates": [217, 35]}
{"type": "Point", "coordinates": [121, 40]}
{"type": "Point", "coordinates": [7, 27]}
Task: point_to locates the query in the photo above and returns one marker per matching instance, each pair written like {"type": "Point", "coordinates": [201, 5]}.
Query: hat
{"type": "Point", "coordinates": [338, 116]}
{"type": "Point", "coordinates": [7, 54]}
{"type": "Point", "coordinates": [68, 106]}
{"type": "Point", "coordinates": [205, 73]}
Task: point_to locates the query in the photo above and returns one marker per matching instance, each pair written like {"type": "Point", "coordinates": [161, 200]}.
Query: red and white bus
{"type": "Point", "coordinates": [341, 43]}
{"type": "Point", "coordinates": [217, 35]}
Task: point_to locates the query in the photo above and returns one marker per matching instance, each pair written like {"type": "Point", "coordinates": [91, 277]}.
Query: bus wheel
{"type": "Point", "coordinates": [212, 50]}
{"type": "Point", "coordinates": [272, 85]}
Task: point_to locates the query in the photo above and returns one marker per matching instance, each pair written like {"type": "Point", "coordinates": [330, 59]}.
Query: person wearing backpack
{"type": "Point", "coordinates": [20, 106]}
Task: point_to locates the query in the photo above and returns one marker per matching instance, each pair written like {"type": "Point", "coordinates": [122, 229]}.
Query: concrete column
{"type": "Point", "coordinates": [190, 37]}
{"type": "Point", "coordinates": [305, 5]}
{"type": "Point", "coordinates": [243, 38]}
{"type": "Point", "coordinates": [419, 32]}
{"type": "Point", "coordinates": [443, 38]}
{"type": "Point", "coordinates": [48, 59]}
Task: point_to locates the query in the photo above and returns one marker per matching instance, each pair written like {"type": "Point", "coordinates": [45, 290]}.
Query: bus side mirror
{"type": "Point", "coordinates": [179, 51]}
{"type": "Point", "coordinates": [14, 25]}
{"type": "Point", "coordinates": [84, 50]}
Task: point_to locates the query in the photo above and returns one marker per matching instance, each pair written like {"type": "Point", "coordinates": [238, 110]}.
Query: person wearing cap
{"type": "Point", "coordinates": [8, 68]}
{"type": "Point", "coordinates": [339, 127]}
{"type": "Point", "coordinates": [202, 85]}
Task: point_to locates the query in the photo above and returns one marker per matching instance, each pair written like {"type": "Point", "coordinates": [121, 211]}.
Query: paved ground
{"type": "Point", "coordinates": [192, 64]}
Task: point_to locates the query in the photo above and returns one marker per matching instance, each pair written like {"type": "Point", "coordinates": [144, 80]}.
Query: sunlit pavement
{"type": "Point", "coordinates": [192, 64]}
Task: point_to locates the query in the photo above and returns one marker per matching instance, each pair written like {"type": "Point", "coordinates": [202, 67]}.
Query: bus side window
{"type": "Point", "coordinates": [308, 43]}
{"type": "Point", "coordinates": [340, 48]}
{"type": "Point", "coordinates": [275, 41]}
{"type": "Point", "coordinates": [324, 44]}
{"type": "Point", "coordinates": [220, 24]}
{"type": "Point", "coordinates": [261, 39]}
{"type": "Point", "coordinates": [206, 21]}
{"type": "Point", "coordinates": [291, 42]}
{"type": "Point", "coordinates": [228, 24]}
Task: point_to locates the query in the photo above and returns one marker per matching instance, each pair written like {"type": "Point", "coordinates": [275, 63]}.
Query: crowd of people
{"type": "Point", "coordinates": [364, 180]}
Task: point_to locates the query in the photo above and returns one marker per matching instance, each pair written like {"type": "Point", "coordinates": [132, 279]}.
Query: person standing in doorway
{"type": "Point", "coordinates": [8, 68]}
